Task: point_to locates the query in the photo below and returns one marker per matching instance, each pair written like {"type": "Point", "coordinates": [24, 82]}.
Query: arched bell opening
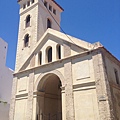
{"type": "Point", "coordinates": [49, 98]}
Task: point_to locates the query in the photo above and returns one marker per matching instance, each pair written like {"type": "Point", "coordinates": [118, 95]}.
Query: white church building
{"type": "Point", "coordinates": [57, 76]}
{"type": "Point", "coordinates": [6, 79]}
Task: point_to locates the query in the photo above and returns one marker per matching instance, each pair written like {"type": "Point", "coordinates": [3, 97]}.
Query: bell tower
{"type": "Point", "coordinates": [36, 16]}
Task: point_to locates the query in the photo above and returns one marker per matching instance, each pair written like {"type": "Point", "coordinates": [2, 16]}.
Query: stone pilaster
{"type": "Point", "coordinates": [70, 113]}
{"type": "Point", "coordinates": [13, 96]}
{"type": "Point", "coordinates": [109, 92]}
{"type": "Point", "coordinates": [41, 106]}
{"type": "Point", "coordinates": [67, 50]}
{"type": "Point", "coordinates": [102, 87]}
{"type": "Point", "coordinates": [32, 62]}
{"type": "Point", "coordinates": [30, 97]}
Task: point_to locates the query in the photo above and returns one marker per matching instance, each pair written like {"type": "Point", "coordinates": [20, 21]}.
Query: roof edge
{"type": "Point", "coordinates": [58, 5]}
{"type": "Point", "coordinates": [111, 55]}
{"type": "Point", "coordinates": [51, 0]}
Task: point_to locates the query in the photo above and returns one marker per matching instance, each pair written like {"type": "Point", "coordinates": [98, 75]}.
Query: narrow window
{"type": "Point", "coordinates": [26, 40]}
{"type": "Point", "coordinates": [58, 52]}
{"type": "Point", "coordinates": [116, 76]}
{"type": "Point", "coordinates": [28, 3]}
{"type": "Point", "coordinates": [40, 58]}
{"type": "Point", "coordinates": [45, 4]}
{"type": "Point", "coordinates": [24, 6]}
{"type": "Point", "coordinates": [28, 21]}
{"type": "Point", "coordinates": [49, 54]}
{"type": "Point", "coordinates": [37, 117]}
{"type": "Point", "coordinates": [32, 1]}
{"type": "Point", "coordinates": [50, 7]}
{"type": "Point", "coordinates": [54, 11]}
{"type": "Point", "coordinates": [49, 24]}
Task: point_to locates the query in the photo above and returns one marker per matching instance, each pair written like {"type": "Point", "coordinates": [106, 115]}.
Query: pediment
{"type": "Point", "coordinates": [52, 38]}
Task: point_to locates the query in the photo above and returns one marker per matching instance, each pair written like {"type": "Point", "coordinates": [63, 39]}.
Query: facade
{"type": "Point", "coordinates": [57, 76]}
{"type": "Point", "coordinates": [6, 78]}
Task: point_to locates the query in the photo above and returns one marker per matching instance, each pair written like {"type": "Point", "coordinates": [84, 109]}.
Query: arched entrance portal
{"type": "Point", "coordinates": [49, 98]}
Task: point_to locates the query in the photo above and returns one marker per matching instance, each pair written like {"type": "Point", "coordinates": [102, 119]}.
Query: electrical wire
{"type": "Point", "coordinates": [60, 26]}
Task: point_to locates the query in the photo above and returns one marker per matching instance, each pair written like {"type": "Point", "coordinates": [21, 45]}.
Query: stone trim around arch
{"type": "Point", "coordinates": [56, 72]}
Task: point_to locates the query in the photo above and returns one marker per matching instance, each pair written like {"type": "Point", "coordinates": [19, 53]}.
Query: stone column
{"type": "Point", "coordinates": [102, 87]}
{"type": "Point", "coordinates": [41, 106]}
{"type": "Point", "coordinates": [35, 107]}
{"type": "Point", "coordinates": [69, 97]}
{"type": "Point", "coordinates": [54, 50]}
{"type": "Point", "coordinates": [13, 96]}
{"type": "Point", "coordinates": [36, 60]}
{"type": "Point", "coordinates": [38, 106]}
{"type": "Point", "coordinates": [44, 57]}
{"type": "Point", "coordinates": [30, 96]}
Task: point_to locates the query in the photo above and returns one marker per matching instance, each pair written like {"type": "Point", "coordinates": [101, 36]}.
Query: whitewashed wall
{"type": "Point", "coordinates": [4, 111]}
{"type": "Point", "coordinates": [6, 78]}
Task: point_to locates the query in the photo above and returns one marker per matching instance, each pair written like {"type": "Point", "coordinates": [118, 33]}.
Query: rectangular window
{"type": "Point", "coordinates": [45, 4]}
{"type": "Point", "coordinates": [32, 1]}
{"type": "Point", "coordinates": [50, 7]}
{"type": "Point", "coordinates": [24, 6]}
{"type": "Point", "coordinates": [28, 3]}
{"type": "Point", "coordinates": [54, 11]}
{"type": "Point", "coordinates": [40, 58]}
{"type": "Point", "coordinates": [116, 76]}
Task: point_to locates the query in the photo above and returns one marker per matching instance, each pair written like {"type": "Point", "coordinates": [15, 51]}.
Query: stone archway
{"type": "Point", "coordinates": [49, 103]}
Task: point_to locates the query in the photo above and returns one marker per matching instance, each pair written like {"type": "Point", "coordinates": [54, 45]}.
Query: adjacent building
{"type": "Point", "coordinates": [6, 79]}
{"type": "Point", "coordinates": [57, 76]}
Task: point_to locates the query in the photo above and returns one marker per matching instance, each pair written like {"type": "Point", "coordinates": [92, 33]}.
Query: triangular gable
{"type": "Point", "coordinates": [65, 38]}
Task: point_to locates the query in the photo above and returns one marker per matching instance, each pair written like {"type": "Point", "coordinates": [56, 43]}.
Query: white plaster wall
{"type": "Point", "coordinates": [20, 109]}
{"type": "Point", "coordinates": [3, 52]}
{"type": "Point", "coordinates": [5, 82]}
{"type": "Point", "coordinates": [5, 74]}
{"type": "Point", "coordinates": [85, 103]}
{"type": "Point", "coordinates": [83, 71]}
{"type": "Point", "coordinates": [22, 86]}
{"type": "Point", "coordinates": [4, 111]}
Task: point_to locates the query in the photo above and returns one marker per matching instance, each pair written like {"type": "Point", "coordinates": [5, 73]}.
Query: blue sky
{"type": "Point", "coordinates": [90, 20]}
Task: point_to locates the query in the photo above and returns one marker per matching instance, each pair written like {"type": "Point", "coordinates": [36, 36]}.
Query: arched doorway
{"type": "Point", "coordinates": [49, 98]}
